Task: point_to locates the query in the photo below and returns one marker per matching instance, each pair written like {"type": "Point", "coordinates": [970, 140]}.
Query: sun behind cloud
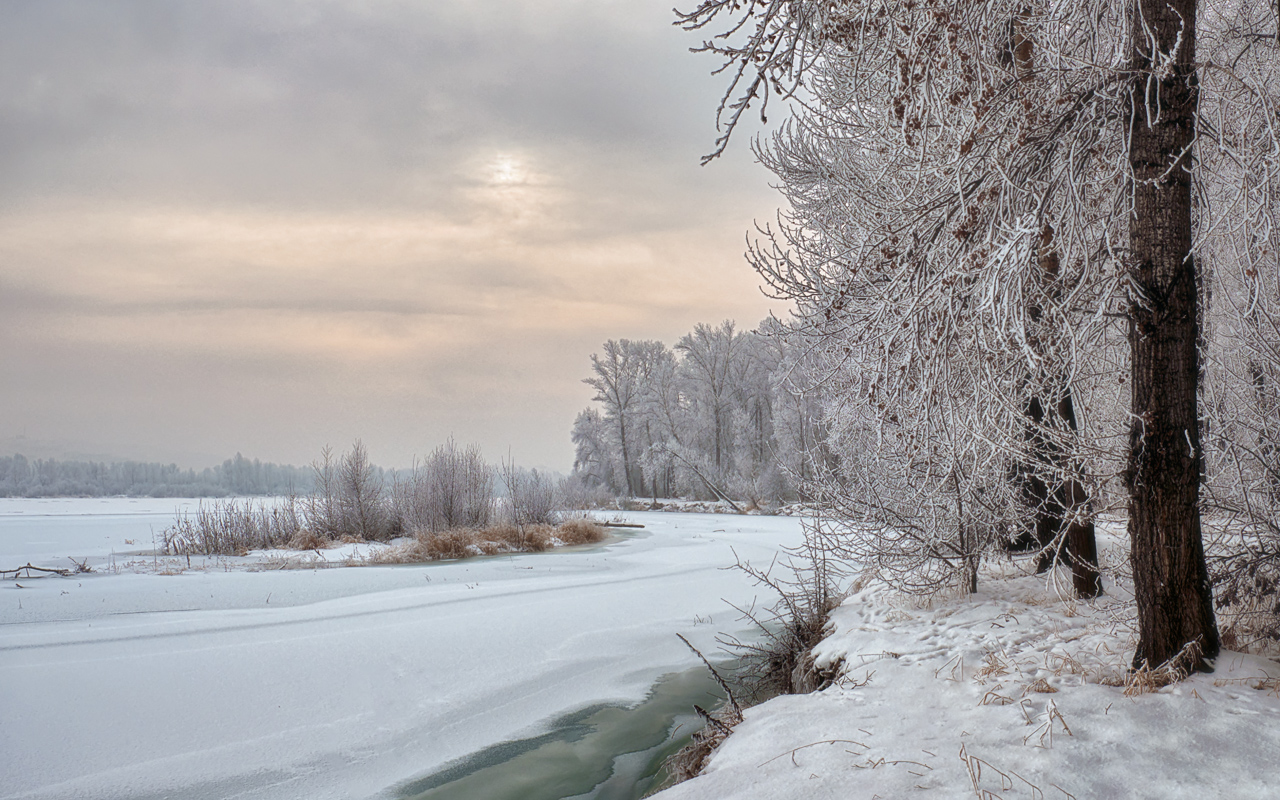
{"type": "Point", "coordinates": [507, 169]}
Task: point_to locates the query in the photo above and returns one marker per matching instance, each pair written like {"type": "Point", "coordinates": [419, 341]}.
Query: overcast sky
{"type": "Point", "coordinates": [264, 226]}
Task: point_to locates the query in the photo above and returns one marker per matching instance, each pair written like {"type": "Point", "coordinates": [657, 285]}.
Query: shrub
{"type": "Point", "coordinates": [233, 528]}
{"type": "Point", "coordinates": [807, 589]}
{"type": "Point", "coordinates": [349, 499]}
{"type": "Point", "coordinates": [453, 488]}
{"type": "Point", "coordinates": [533, 498]}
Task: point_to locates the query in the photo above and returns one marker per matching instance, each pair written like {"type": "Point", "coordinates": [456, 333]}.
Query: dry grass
{"type": "Point", "coordinates": [579, 531]}
{"type": "Point", "coordinates": [688, 762]}
{"type": "Point", "coordinates": [491, 541]}
{"type": "Point", "coordinates": [995, 664]}
{"type": "Point", "coordinates": [307, 539]}
{"type": "Point", "coordinates": [1149, 679]}
{"type": "Point", "coordinates": [1250, 624]}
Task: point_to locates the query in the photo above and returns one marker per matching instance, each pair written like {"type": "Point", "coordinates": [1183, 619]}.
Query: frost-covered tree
{"type": "Point", "coordinates": [593, 457]}
{"type": "Point", "coordinates": [455, 488]}
{"type": "Point", "coordinates": [360, 493]}
{"type": "Point", "coordinates": [694, 421]}
{"type": "Point", "coordinates": [622, 374]}
{"type": "Point", "coordinates": [708, 362]}
{"type": "Point", "coordinates": [977, 191]}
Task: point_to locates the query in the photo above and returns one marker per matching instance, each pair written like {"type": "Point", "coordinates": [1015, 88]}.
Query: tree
{"type": "Point", "coordinates": [1171, 580]}
{"type": "Point", "coordinates": [710, 357]}
{"type": "Point", "coordinates": [976, 191]}
{"type": "Point", "coordinates": [592, 460]}
{"type": "Point", "coordinates": [621, 375]}
{"type": "Point", "coordinates": [361, 496]}
{"type": "Point", "coordinates": [324, 504]}
{"type": "Point", "coordinates": [697, 421]}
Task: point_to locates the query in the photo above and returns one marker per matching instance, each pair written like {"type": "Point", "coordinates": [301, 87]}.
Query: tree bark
{"type": "Point", "coordinates": [1171, 582]}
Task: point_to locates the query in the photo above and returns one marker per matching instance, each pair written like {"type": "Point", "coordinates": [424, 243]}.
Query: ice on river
{"type": "Point", "coordinates": [223, 681]}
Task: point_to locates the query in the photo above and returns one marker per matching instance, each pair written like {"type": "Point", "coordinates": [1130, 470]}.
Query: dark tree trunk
{"type": "Point", "coordinates": [1171, 583]}
{"type": "Point", "coordinates": [1082, 542]}
{"type": "Point", "coordinates": [1076, 511]}
{"type": "Point", "coordinates": [1066, 502]}
{"type": "Point", "coordinates": [1037, 495]}
{"type": "Point", "coordinates": [628, 469]}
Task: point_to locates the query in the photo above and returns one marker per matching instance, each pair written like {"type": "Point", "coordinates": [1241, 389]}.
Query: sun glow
{"type": "Point", "coordinates": [507, 170]}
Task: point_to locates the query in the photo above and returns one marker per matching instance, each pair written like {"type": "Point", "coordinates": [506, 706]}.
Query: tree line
{"type": "Point", "coordinates": [48, 477]}
{"type": "Point", "coordinates": [715, 417]}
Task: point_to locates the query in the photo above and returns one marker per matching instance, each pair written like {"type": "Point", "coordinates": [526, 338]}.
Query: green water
{"type": "Point", "coordinates": [605, 752]}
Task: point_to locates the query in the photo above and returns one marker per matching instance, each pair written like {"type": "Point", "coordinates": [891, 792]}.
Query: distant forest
{"type": "Point", "coordinates": [715, 417]}
{"type": "Point", "coordinates": [47, 477]}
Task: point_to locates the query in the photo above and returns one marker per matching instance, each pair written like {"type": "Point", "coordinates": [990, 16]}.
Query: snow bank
{"type": "Point", "coordinates": [1012, 691]}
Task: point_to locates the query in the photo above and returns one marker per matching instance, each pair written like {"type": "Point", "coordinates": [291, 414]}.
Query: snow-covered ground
{"type": "Point", "coordinates": [145, 678]}
{"type": "Point", "coordinates": [1011, 693]}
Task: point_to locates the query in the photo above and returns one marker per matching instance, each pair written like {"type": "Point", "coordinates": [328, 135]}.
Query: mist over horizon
{"type": "Point", "coordinates": [264, 228]}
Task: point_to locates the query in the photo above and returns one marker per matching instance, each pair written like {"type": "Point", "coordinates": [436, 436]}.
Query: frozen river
{"type": "Point", "coordinates": [144, 679]}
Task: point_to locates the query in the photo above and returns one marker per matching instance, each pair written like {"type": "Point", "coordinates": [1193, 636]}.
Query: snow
{"type": "Point", "coordinates": [221, 681]}
{"type": "Point", "coordinates": [941, 700]}
{"type": "Point", "coordinates": [145, 678]}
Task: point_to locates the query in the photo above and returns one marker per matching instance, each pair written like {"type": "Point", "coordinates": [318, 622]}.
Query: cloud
{"type": "Point", "coordinates": [263, 226]}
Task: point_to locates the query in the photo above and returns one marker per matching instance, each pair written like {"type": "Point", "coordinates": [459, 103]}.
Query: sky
{"type": "Point", "coordinates": [267, 226]}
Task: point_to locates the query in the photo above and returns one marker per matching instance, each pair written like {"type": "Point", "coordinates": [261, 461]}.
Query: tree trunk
{"type": "Point", "coordinates": [627, 474]}
{"type": "Point", "coordinates": [1082, 542]}
{"type": "Point", "coordinates": [1072, 502]}
{"type": "Point", "coordinates": [1067, 502]}
{"type": "Point", "coordinates": [1171, 583]}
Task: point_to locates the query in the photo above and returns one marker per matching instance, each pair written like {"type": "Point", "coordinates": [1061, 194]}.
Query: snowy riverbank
{"type": "Point", "coordinates": [1010, 693]}
{"type": "Point", "coordinates": [228, 679]}
{"type": "Point", "coordinates": [329, 683]}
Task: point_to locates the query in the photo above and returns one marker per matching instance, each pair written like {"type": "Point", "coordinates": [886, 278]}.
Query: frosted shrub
{"type": "Point", "coordinates": [533, 498]}
{"type": "Point", "coordinates": [349, 498]}
{"type": "Point", "coordinates": [234, 528]}
{"type": "Point", "coordinates": [453, 488]}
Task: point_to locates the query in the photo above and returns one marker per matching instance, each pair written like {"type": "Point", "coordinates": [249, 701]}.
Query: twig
{"type": "Point", "coordinates": [793, 752]}
{"type": "Point", "coordinates": [29, 566]}
{"type": "Point", "coordinates": [723, 684]}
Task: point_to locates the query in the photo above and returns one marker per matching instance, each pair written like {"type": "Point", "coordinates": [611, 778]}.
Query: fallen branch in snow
{"type": "Point", "coordinates": [711, 720]}
{"type": "Point", "coordinates": [619, 525]}
{"type": "Point", "coordinates": [29, 567]}
{"type": "Point", "coordinates": [714, 489]}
